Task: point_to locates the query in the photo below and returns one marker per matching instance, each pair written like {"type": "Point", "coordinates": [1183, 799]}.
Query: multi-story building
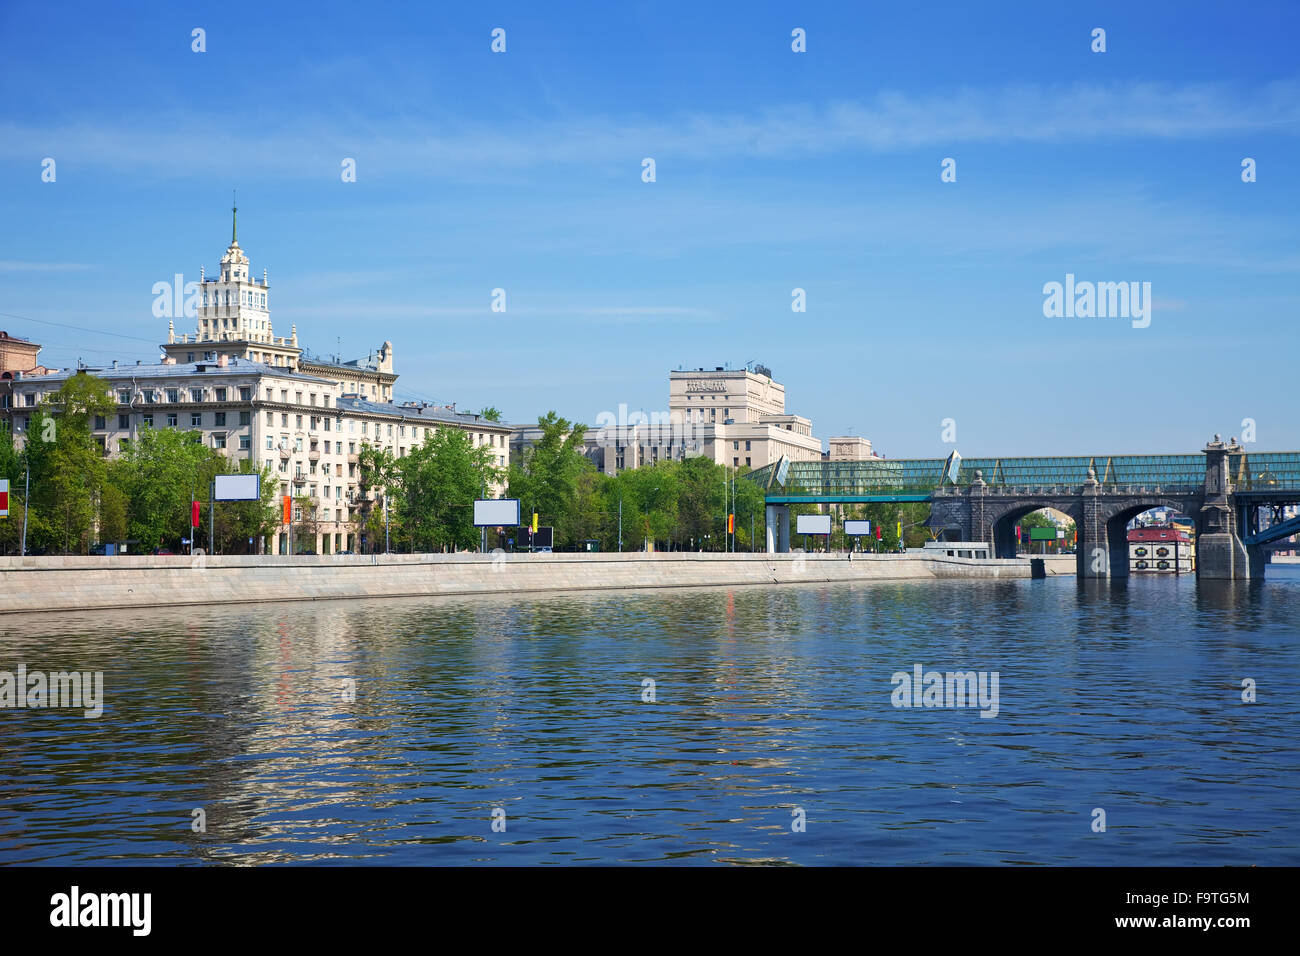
{"type": "Point", "coordinates": [260, 398]}
{"type": "Point", "coordinates": [736, 417]}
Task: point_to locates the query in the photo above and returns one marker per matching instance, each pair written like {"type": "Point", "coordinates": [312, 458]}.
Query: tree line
{"type": "Point", "coordinates": [73, 497]}
{"type": "Point", "coordinates": [420, 502]}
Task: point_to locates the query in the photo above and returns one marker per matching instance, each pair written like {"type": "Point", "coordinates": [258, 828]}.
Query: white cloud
{"type": "Point", "coordinates": [182, 145]}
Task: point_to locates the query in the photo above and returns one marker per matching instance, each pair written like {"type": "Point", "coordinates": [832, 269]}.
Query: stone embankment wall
{"type": "Point", "coordinates": [80, 583]}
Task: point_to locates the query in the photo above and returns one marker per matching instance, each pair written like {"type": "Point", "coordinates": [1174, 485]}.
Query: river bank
{"type": "Point", "coordinates": [65, 582]}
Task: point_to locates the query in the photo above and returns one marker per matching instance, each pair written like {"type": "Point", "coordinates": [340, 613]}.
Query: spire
{"type": "Point", "coordinates": [234, 218]}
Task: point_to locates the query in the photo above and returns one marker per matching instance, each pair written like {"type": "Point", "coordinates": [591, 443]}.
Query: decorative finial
{"type": "Point", "coordinates": [1216, 437]}
{"type": "Point", "coordinates": [234, 217]}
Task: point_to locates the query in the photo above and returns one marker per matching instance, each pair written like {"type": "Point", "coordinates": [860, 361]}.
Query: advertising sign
{"type": "Point", "coordinates": [496, 512]}
{"type": "Point", "coordinates": [813, 524]}
{"type": "Point", "coordinates": [237, 488]}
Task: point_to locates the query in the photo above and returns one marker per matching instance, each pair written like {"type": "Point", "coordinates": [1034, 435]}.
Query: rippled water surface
{"type": "Point", "coordinates": [1124, 697]}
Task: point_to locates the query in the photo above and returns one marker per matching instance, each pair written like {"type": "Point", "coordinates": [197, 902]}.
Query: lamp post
{"type": "Point", "coordinates": [27, 487]}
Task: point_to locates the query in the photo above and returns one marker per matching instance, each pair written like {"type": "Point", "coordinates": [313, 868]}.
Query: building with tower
{"type": "Point", "coordinates": [263, 398]}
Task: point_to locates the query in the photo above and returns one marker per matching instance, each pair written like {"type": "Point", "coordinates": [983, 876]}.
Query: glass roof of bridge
{"type": "Point", "coordinates": [1266, 471]}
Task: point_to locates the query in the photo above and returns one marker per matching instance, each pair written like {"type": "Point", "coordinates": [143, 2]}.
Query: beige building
{"type": "Point", "coordinates": [736, 417]}
{"type": "Point", "coordinates": [260, 398]}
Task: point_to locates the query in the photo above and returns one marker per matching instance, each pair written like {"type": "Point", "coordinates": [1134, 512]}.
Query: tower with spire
{"type": "Point", "coordinates": [234, 314]}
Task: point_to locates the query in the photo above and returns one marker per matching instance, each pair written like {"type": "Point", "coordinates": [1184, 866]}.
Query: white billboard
{"type": "Point", "coordinates": [237, 488]}
{"type": "Point", "coordinates": [496, 512]}
{"type": "Point", "coordinates": [813, 524]}
{"type": "Point", "coordinates": [859, 528]}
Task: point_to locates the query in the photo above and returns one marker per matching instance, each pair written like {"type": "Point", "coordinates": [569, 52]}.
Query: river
{"type": "Point", "coordinates": [519, 730]}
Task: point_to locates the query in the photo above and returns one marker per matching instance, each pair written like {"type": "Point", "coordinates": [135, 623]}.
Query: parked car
{"type": "Point", "coordinates": [345, 552]}
{"type": "Point", "coordinates": [163, 551]}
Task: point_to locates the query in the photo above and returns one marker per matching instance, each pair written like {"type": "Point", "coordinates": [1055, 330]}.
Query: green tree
{"type": "Point", "coordinates": [438, 482]}
{"type": "Point", "coordinates": [491, 414]}
{"type": "Point", "coordinates": [377, 477]}
{"type": "Point", "coordinates": [546, 479]}
{"type": "Point", "coordinates": [67, 464]}
{"type": "Point", "coordinates": [159, 473]}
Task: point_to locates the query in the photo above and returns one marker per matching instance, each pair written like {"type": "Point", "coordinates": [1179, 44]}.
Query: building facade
{"type": "Point", "coordinates": [260, 398]}
{"type": "Point", "coordinates": [734, 417]}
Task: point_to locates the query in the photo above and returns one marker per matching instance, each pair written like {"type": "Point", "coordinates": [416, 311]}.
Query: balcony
{"type": "Point", "coordinates": [300, 479]}
{"type": "Point", "coordinates": [313, 455]}
{"type": "Point", "coordinates": [285, 453]}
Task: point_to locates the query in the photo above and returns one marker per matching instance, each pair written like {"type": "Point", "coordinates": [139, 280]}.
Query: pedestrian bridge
{"type": "Point", "coordinates": [1230, 492]}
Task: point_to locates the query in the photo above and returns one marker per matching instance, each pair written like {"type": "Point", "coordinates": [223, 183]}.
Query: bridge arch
{"type": "Point", "coordinates": [1109, 530]}
{"type": "Point", "coordinates": [1002, 523]}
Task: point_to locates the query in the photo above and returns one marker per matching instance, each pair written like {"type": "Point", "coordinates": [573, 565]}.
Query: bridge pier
{"type": "Point", "coordinates": [778, 529]}
{"type": "Point", "coordinates": [1220, 553]}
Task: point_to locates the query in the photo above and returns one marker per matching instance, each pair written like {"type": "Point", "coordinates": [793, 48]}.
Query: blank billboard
{"type": "Point", "coordinates": [857, 528]}
{"type": "Point", "coordinates": [237, 488]}
{"type": "Point", "coordinates": [496, 512]}
{"type": "Point", "coordinates": [813, 524]}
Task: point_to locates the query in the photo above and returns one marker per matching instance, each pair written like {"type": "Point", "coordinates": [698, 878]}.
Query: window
{"type": "Point", "coordinates": [352, 426]}
{"type": "Point", "coordinates": [173, 395]}
{"type": "Point", "coordinates": [747, 446]}
{"type": "Point", "coordinates": [100, 425]}
{"type": "Point", "coordinates": [390, 431]}
{"type": "Point", "coordinates": [299, 397]}
{"type": "Point", "coordinates": [171, 419]}
{"type": "Point", "coordinates": [221, 394]}
{"type": "Point", "coordinates": [270, 392]}
{"type": "Point", "coordinates": [352, 448]}
{"type": "Point", "coordinates": [245, 442]}
{"type": "Point", "coordinates": [219, 440]}
{"type": "Point", "coordinates": [297, 443]}
{"type": "Point", "coordinates": [284, 420]}
{"type": "Point", "coordinates": [245, 393]}
{"type": "Point", "coordinates": [219, 418]}
{"type": "Point", "coordinates": [299, 418]}
{"type": "Point", "coordinates": [312, 396]}
{"type": "Point", "coordinates": [245, 418]}
{"type": "Point", "coordinates": [196, 419]}
{"type": "Point", "coordinates": [270, 443]}
{"type": "Point", "coordinates": [284, 394]}
{"type": "Point", "coordinates": [735, 462]}
{"type": "Point", "coordinates": [124, 398]}
{"type": "Point", "coordinates": [747, 464]}
{"type": "Point", "coordinates": [270, 418]}
{"type": "Point", "coordinates": [196, 395]}
{"type": "Point", "coordinates": [735, 446]}
{"type": "Point", "coordinates": [147, 421]}
{"type": "Point", "coordinates": [123, 421]}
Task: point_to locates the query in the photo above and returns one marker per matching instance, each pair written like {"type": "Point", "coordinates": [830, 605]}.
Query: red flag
{"type": "Point", "coordinates": [194, 514]}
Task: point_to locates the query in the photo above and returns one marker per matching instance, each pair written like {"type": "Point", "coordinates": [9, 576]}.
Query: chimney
{"type": "Point", "coordinates": [114, 363]}
{"type": "Point", "coordinates": [222, 360]}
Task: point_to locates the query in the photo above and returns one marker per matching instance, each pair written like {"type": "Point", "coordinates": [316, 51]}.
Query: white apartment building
{"type": "Point", "coordinates": [261, 398]}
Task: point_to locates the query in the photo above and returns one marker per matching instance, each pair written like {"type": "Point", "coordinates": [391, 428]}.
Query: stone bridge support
{"type": "Point", "coordinates": [1220, 553]}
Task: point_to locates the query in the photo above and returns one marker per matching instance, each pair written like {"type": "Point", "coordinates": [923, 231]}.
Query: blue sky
{"type": "Point", "coordinates": [775, 170]}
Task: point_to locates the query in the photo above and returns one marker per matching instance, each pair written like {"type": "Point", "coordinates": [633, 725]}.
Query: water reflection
{"type": "Point", "coordinates": [1121, 695]}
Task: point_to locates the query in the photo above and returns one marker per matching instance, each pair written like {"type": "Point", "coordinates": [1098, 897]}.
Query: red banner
{"type": "Point", "coordinates": [194, 514]}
